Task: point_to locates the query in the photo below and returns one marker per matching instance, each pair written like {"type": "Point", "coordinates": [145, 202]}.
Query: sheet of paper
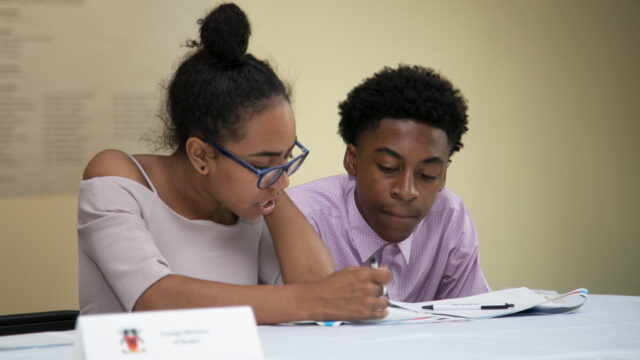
{"type": "Point", "coordinates": [396, 316]}
{"type": "Point", "coordinates": [563, 303]}
{"type": "Point", "coordinates": [522, 298]}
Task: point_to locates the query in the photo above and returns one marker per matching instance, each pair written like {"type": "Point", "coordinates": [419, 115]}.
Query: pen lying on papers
{"type": "Point", "coordinates": [444, 307]}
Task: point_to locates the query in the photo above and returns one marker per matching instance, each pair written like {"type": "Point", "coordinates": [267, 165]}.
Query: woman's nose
{"type": "Point", "coordinates": [282, 182]}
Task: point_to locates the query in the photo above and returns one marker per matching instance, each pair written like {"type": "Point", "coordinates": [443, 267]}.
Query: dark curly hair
{"type": "Point", "coordinates": [219, 86]}
{"type": "Point", "coordinates": [408, 92]}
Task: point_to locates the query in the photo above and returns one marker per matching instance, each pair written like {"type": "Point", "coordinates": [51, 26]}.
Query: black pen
{"type": "Point", "coordinates": [444, 307]}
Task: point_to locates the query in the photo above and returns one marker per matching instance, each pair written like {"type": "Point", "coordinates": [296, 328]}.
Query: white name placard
{"type": "Point", "coordinates": [209, 333]}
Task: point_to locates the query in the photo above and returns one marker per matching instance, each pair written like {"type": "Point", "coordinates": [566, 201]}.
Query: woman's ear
{"type": "Point", "coordinates": [199, 154]}
{"type": "Point", "coordinates": [349, 162]}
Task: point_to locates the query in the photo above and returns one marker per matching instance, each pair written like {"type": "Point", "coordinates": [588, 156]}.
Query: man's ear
{"type": "Point", "coordinates": [350, 162]}
{"type": "Point", "coordinates": [199, 154]}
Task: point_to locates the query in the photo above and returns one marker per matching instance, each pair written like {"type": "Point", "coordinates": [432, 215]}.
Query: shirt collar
{"type": "Point", "coordinates": [363, 238]}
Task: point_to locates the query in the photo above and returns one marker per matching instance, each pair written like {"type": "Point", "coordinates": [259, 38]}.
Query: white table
{"type": "Point", "coordinates": [606, 327]}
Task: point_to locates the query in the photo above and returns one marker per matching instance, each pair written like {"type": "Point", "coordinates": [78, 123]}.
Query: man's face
{"type": "Point", "coordinates": [399, 167]}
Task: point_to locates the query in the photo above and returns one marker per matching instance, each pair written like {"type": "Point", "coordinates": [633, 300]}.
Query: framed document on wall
{"type": "Point", "coordinates": [78, 76]}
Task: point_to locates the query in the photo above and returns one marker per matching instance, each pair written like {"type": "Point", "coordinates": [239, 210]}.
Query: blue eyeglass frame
{"type": "Point", "coordinates": [282, 168]}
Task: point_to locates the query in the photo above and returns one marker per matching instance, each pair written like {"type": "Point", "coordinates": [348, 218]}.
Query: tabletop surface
{"type": "Point", "coordinates": [606, 327]}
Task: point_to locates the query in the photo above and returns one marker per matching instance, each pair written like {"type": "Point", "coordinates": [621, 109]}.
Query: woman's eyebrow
{"type": "Point", "coordinates": [267, 153]}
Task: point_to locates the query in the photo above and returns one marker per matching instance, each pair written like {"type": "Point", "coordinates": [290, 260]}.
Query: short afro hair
{"type": "Point", "coordinates": [408, 92]}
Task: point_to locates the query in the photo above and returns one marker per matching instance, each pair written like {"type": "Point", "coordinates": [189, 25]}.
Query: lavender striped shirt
{"type": "Point", "coordinates": [439, 260]}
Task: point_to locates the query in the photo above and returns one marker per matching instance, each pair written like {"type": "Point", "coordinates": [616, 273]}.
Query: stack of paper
{"type": "Point", "coordinates": [492, 304]}
{"type": "Point", "coordinates": [500, 303]}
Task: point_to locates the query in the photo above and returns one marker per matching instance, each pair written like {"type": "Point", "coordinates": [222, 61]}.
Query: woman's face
{"type": "Point", "coordinates": [268, 141]}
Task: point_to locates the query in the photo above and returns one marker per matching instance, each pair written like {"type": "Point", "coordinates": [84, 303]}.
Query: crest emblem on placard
{"type": "Point", "coordinates": [131, 341]}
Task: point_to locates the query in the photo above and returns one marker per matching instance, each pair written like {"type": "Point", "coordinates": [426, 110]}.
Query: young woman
{"type": "Point", "coordinates": [210, 225]}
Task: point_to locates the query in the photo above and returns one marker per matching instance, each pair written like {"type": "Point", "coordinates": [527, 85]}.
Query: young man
{"type": "Point", "coordinates": [401, 126]}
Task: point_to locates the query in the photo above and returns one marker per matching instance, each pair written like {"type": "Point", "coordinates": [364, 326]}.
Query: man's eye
{"type": "Point", "coordinates": [426, 177]}
{"type": "Point", "coordinates": [386, 169]}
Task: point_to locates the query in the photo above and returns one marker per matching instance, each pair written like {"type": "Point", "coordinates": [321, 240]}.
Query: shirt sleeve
{"type": "Point", "coordinates": [112, 232]}
{"type": "Point", "coordinates": [463, 276]}
{"type": "Point", "coordinates": [269, 267]}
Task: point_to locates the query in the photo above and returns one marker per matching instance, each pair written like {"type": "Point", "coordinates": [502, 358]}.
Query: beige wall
{"type": "Point", "coordinates": [549, 168]}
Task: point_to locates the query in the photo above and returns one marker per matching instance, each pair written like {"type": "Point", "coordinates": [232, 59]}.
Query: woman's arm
{"type": "Point", "coordinates": [302, 254]}
{"type": "Point", "coordinates": [350, 294]}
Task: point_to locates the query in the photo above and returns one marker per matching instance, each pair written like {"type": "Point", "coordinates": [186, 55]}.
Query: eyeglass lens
{"type": "Point", "coordinates": [272, 176]}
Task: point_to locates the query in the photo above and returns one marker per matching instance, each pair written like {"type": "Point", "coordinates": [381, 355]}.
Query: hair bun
{"type": "Point", "coordinates": [224, 33]}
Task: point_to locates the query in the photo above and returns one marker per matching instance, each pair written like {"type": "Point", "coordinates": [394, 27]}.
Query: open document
{"type": "Point", "coordinates": [492, 304]}
{"type": "Point", "coordinates": [500, 303]}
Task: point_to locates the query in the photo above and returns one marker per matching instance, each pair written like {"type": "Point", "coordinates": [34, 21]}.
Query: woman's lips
{"type": "Point", "coordinates": [265, 208]}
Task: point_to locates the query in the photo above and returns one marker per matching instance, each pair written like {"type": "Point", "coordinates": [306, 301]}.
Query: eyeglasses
{"type": "Point", "coordinates": [266, 177]}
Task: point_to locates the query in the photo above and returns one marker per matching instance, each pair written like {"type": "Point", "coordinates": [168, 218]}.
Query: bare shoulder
{"type": "Point", "coordinates": [113, 163]}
